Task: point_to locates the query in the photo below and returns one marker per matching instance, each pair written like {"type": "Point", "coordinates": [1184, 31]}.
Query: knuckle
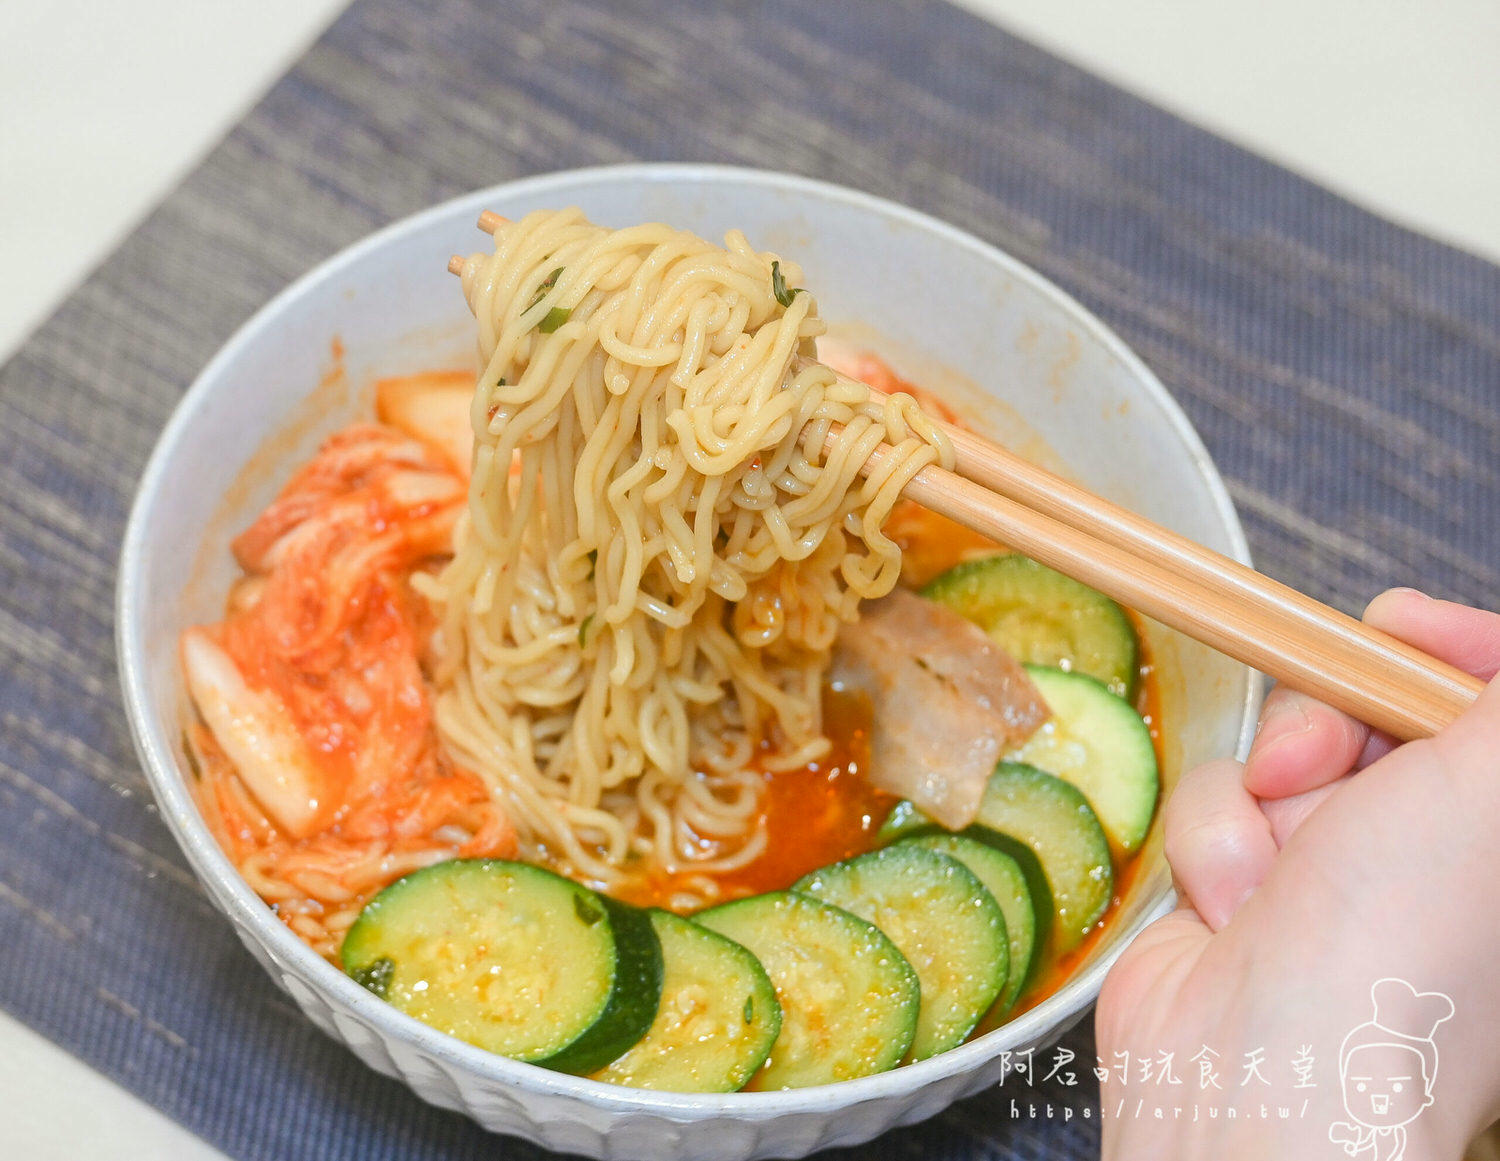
{"type": "Point", "coordinates": [1211, 836]}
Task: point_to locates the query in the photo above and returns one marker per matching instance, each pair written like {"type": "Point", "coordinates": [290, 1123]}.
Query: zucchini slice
{"type": "Point", "coordinates": [949, 928]}
{"type": "Point", "coordinates": [1002, 878]}
{"type": "Point", "coordinates": [1099, 743]}
{"type": "Point", "coordinates": [633, 1001]}
{"type": "Point", "coordinates": [717, 1021]}
{"type": "Point", "coordinates": [512, 958]}
{"type": "Point", "coordinates": [1055, 820]}
{"type": "Point", "coordinates": [1042, 617]}
{"type": "Point", "coordinates": [849, 1000]}
{"type": "Point", "coordinates": [906, 818]}
{"type": "Point", "coordinates": [907, 821]}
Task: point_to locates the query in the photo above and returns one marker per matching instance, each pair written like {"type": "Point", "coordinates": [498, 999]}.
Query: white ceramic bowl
{"type": "Point", "coordinates": [1022, 360]}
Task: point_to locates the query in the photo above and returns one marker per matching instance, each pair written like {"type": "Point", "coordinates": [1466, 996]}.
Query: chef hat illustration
{"type": "Point", "coordinates": [1405, 1017]}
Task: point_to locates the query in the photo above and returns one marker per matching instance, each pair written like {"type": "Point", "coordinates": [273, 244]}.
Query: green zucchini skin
{"type": "Point", "coordinates": [1037, 887]}
{"type": "Point", "coordinates": [509, 957]}
{"type": "Point", "coordinates": [1099, 743]}
{"type": "Point", "coordinates": [1042, 617]}
{"type": "Point", "coordinates": [1055, 820]}
{"type": "Point", "coordinates": [943, 920]}
{"type": "Point", "coordinates": [849, 999]}
{"type": "Point", "coordinates": [906, 821]}
{"type": "Point", "coordinates": [717, 1021]}
{"type": "Point", "coordinates": [1003, 878]}
{"type": "Point", "coordinates": [1049, 828]}
{"type": "Point", "coordinates": [633, 1001]}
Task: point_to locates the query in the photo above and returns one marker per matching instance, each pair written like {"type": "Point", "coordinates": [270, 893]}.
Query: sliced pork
{"type": "Point", "coordinates": [947, 702]}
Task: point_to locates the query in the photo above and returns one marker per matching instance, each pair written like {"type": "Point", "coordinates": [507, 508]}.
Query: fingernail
{"type": "Point", "coordinates": [1409, 592]}
{"type": "Point", "coordinates": [1290, 711]}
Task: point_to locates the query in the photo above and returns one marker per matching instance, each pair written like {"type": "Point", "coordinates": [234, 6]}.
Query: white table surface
{"type": "Point", "coordinates": [105, 105]}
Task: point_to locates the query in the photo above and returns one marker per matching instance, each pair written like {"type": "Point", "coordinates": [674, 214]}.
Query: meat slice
{"type": "Point", "coordinates": [948, 702]}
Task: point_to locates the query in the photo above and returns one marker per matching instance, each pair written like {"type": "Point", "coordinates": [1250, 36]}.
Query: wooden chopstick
{"type": "Point", "coordinates": [1351, 671]}
{"type": "Point", "coordinates": [1327, 629]}
{"type": "Point", "coordinates": [1204, 594]}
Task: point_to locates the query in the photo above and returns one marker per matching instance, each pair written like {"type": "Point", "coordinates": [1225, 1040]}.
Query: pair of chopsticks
{"type": "Point", "coordinates": [1207, 596]}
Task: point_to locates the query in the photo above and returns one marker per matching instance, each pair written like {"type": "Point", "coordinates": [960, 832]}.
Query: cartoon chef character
{"type": "Point", "coordinates": [1387, 1068]}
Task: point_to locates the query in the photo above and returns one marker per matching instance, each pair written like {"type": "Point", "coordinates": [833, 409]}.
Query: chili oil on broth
{"type": "Point", "coordinates": [815, 814]}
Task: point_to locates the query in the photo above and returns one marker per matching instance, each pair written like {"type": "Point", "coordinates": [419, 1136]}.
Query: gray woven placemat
{"type": "Point", "coordinates": [1345, 374]}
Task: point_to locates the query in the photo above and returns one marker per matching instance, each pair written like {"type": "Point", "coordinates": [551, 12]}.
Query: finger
{"type": "Point", "coordinates": [1153, 965]}
{"type": "Point", "coordinates": [1217, 840]}
{"type": "Point", "coordinates": [1379, 745]}
{"type": "Point", "coordinates": [1301, 744]}
{"type": "Point", "coordinates": [1461, 636]}
{"type": "Point", "coordinates": [1285, 815]}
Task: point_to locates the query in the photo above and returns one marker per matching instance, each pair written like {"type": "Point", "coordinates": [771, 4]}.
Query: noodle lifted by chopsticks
{"type": "Point", "coordinates": [658, 547]}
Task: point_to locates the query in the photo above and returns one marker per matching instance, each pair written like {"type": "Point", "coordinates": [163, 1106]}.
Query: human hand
{"type": "Point", "coordinates": [1331, 859]}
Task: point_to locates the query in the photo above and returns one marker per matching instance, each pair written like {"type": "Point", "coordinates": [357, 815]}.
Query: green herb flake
{"type": "Point", "coordinates": [588, 913]}
{"type": "Point", "coordinates": [583, 629]}
{"type": "Point", "coordinates": [375, 976]}
{"type": "Point", "coordinates": [553, 319]}
{"type": "Point", "coordinates": [779, 286]}
{"type": "Point", "coordinates": [749, 1009]}
{"type": "Point", "coordinates": [541, 291]}
{"type": "Point", "coordinates": [191, 756]}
